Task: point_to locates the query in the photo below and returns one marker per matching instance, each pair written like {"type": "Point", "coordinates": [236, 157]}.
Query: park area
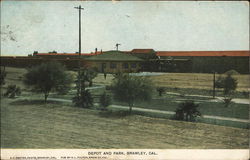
{"type": "Point", "coordinates": [27, 122]}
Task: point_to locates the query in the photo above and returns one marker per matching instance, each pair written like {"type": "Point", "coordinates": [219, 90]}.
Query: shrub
{"type": "Point", "coordinates": [219, 83]}
{"type": "Point", "coordinates": [2, 77]}
{"type": "Point", "coordinates": [161, 90]}
{"type": "Point", "coordinates": [187, 111]}
{"type": "Point", "coordinates": [12, 91]}
{"type": "Point", "coordinates": [227, 101]}
{"type": "Point", "coordinates": [83, 97]}
{"type": "Point", "coordinates": [232, 72]}
{"type": "Point", "coordinates": [245, 94]}
{"type": "Point", "coordinates": [105, 101]}
{"type": "Point", "coordinates": [84, 100]}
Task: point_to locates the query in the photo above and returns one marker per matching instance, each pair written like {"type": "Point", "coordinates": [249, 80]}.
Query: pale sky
{"type": "Point", "coordinates": [45, 26]}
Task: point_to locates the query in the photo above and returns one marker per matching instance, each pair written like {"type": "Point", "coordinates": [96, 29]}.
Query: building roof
{"type": "Point", "coordinates": [203, 53]}
{"type": "Point", "coordinates": [67, 54]}
{"type": "Point", "coordinates": [143, 51]}
{"type": "Point", "coordinates": [114, 56]}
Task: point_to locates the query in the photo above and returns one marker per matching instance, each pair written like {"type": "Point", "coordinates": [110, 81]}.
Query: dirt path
{"type": "Point", "coordinates": [160, 111]}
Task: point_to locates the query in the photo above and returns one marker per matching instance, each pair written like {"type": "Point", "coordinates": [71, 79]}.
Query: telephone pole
{"type": "Point", "coordinates": [79, 9]}
{"type": "Point", "coordinates": [79, 88]}
{"type": "Point", "coordinates": [214, 85]}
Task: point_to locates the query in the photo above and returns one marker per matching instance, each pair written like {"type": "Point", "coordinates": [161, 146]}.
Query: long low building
{"type": "Point", "coordinates": [143, 60]}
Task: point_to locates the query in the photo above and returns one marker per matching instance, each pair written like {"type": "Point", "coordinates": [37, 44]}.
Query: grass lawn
{"type": "Point", "coordinates": [32, 124]}
{"type": "Point", "coordinates": [206, 108]}
{"type": "Point", "coordinates": [171, 102]}
{"type": "Point", "coordinates": [196, 80]}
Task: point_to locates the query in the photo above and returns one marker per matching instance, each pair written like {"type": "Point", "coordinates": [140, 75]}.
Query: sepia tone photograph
{"type": "Point", "coordinates": [124, 75]}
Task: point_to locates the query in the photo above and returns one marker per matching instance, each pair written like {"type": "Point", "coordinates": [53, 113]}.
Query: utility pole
{"type": "Point", "coordinates": [79, 90]}
{"type": "Point", "coordinates": [117, 45]}
{"type": "Point", "coordinates": [79, 9]}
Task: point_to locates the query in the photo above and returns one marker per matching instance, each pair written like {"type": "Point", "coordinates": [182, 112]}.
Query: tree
{"type": "Point", "coordinates": [187, 111]}
{"type": "Point", "coordinates": [48, 77]}
{"type": "Point", "coordinates": [129, 89]}
{"type": "Point", "coordinates": [83, 97]}
{"type": "Point", "coordinates": [2, 77]}
{"type": "Point", "coordinates": [105, 101]}
{"type": "Point", "coordinates": [90, 75]}
{"type": "Point", "coordinates": [228, 84]}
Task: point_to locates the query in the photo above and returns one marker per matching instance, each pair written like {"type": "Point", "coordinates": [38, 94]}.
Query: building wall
{"type": "Point", "coordinates": [220, 64]}
{"type": "Point", "coordinates": [31, 61]}
{"type": "Point", "coordinates": [114, 67]}
{"type": "Point", "coordinates": [194, 64]}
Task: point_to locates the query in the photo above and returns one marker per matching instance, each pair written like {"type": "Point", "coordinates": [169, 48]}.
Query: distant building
{"type": "Point", "coordinates": [204, 61]}
{"type": "Point", "coordinates": [115, 61]}
{"type": "Point", "coordinates": [142, 60]}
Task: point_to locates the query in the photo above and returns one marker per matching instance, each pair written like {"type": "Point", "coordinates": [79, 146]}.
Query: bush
{"type": "Point", "coordinates": [105, 101]}
{"type": "Point", "coordinates": [2, 77]}
{"type": "Point", "coordinates": [245, 94]}
{"type": "Point", "coordinates": [12, 91]}
{"type": "Point", "coordinates": [187, 111]}
{"type": "Point", "coordinates": [227, 101]}
{"type": "Point", "coordinates": [161, 90]}
{"type": "Point", "coordinates": [219, 83]}
{"type": "Point", "coordinates": [232, 72]}
{"type": "Point", "coordinates": [84, 100]}
{"type": "Point", "coordinates": [83, 97]}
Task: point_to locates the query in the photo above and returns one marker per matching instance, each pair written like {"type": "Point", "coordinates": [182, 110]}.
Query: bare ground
{"type": "Point", "coordinates": [31, 124]}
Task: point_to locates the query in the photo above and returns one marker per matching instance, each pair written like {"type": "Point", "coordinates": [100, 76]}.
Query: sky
{"type": "Point", "coordinates": [44, 26]}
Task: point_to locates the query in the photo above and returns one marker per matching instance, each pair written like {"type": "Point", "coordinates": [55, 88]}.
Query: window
{"type": "Point", "coordinates": [112, 65]}
{"type": "Point", "coordinates": [125, 65]}
{"type": "Point", "coordinates": [133, 65]}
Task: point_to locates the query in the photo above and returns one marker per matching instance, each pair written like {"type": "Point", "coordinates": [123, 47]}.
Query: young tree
{"type": "Point", "coordinates": [84, 100]}
{"type": "Point", "coordinates": [129, 89]}
{"type": "Point", "coordinates": [48, 77]}
{"type": "Point", "coordinates": [229, 85]}
{"type": "Point", "coordinates": [83, 97]}
{"type": "Point", "coordinates": [187, 111]}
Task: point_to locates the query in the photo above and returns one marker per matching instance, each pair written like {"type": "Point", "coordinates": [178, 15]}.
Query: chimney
{"type": "Point", "coordinates": [95, 50]}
